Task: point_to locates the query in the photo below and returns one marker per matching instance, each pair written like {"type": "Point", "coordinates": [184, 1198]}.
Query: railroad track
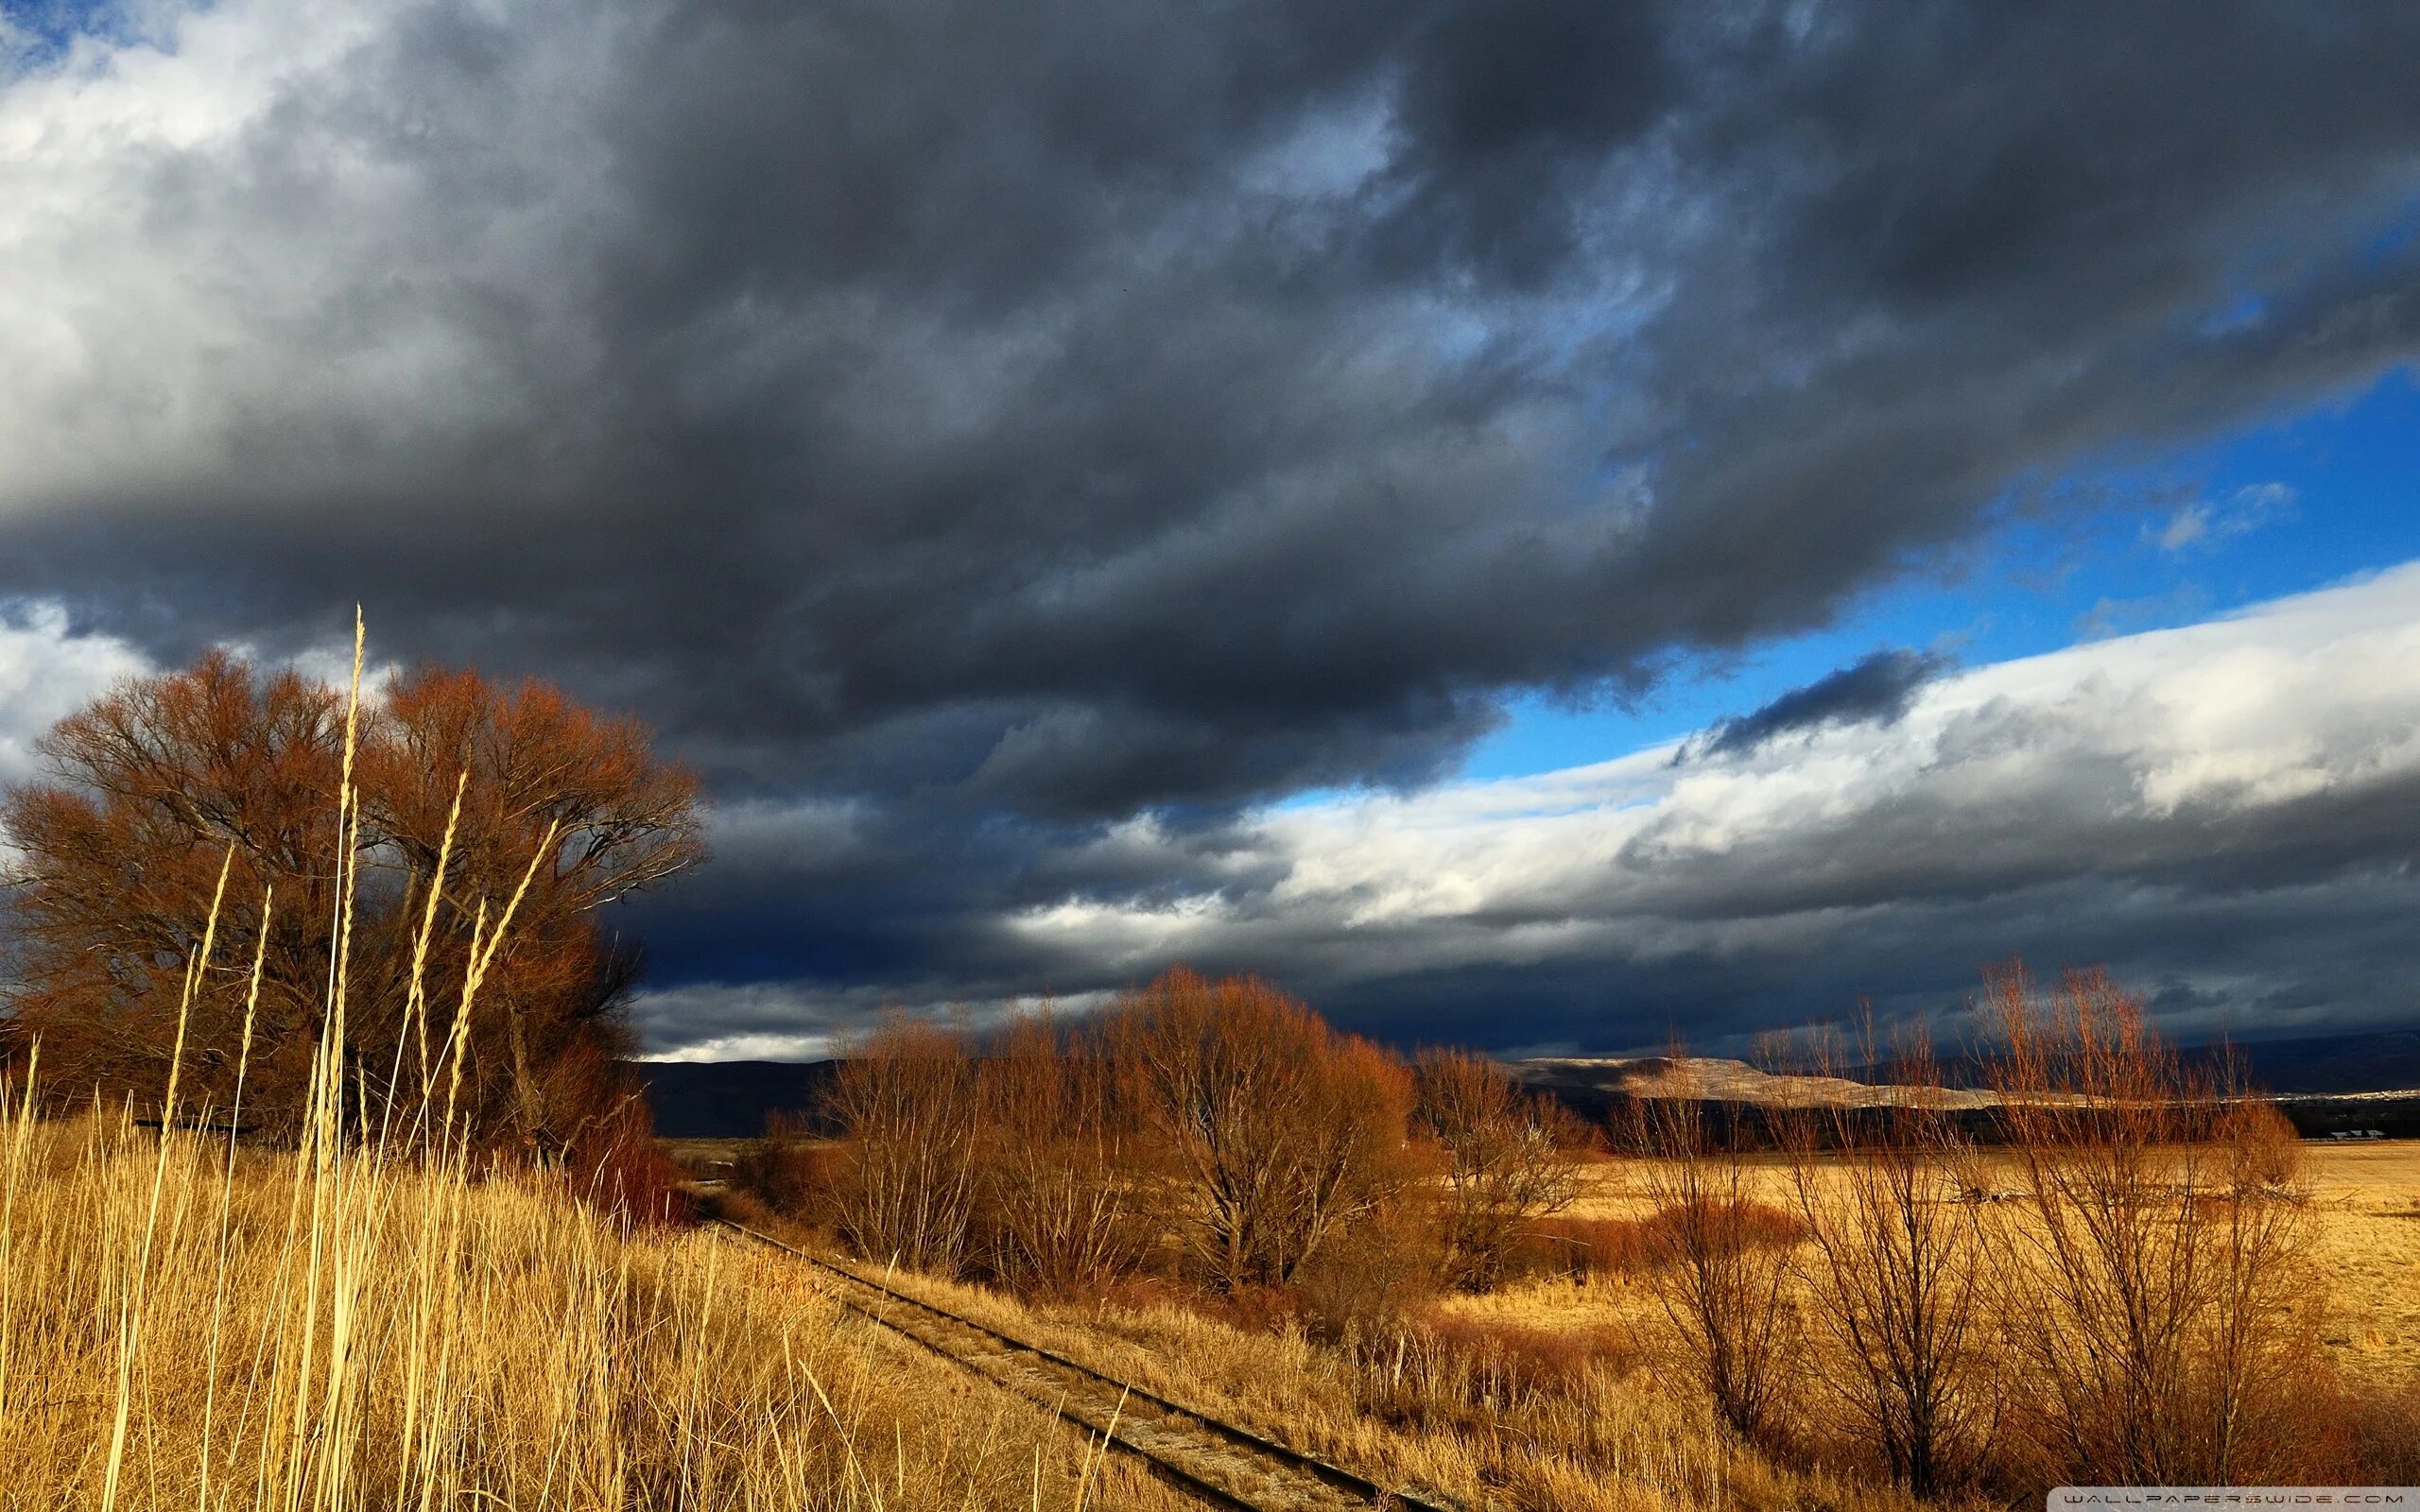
{"type": "Point", "coordinates": [1216, 1462]}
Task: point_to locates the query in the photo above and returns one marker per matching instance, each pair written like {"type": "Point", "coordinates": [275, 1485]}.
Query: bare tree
{"type": "Point", "coordinates": [904, 1099]}
{"type": "Point", "coordinates": [1511, 1158]}
{"type": "Point", "coordinates": [2158, 1255]}
{"type": "Point", "coordinates": [1716, 1273]}
{"type": "Point", "coordinates": [1895, 1263]}
{"type": "Point", "coordinates": [1277, 1131]}
{"type": "Point", "coordinates": [1055, 1182]}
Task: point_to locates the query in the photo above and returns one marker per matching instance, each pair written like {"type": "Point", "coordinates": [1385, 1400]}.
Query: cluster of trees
{"type": "Point", "coordinates": [2100, 1268]}
{"type": "Point", "coordinates": [1216, 1129]}
{"type": "Point", "coordinates": [470, 798]}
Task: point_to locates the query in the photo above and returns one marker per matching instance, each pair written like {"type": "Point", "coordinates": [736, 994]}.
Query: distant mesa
{"type": "Point", "coordinates": [1724, 1081]}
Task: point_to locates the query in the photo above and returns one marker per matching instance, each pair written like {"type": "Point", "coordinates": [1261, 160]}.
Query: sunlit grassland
{"type": "Point", "coordinates": [383, 1317]}
{"type": "Point", "coordinates": [2365, 1241]}
{"type": "Point", "coordinates": [412, 1338]}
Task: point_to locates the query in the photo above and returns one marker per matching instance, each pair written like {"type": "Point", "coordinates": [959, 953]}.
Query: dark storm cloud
{"type": "Point", "coordinates": [1009, 420]}
{"type": "Point", "coordinates": [1875, 688]}
{"type": "Point", "coordinates": [1110, 406]}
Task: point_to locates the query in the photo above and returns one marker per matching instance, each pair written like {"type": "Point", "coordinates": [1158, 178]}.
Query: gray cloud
{"type": "Point", "coordinates": [1877, 688]}
{"type": "Point", "coordinates": [1011, 422]}
{"type": "Point", "coordinates": [2227, 813]}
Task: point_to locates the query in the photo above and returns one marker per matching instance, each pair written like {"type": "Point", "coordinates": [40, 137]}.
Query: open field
{"type": "Point", "coordinates": [1590, 1428]}
{"type": "Point", "coordinates": [1567, 1394]}
{"type": "Point", "coordinates": [2366, 1198]}
{"type": "Point", "coordinates": [2368, 1244]}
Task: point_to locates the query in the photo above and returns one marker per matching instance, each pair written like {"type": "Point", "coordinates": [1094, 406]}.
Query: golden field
{"type": "Point", "coordinates": [2365, 1200]}
{"type": "Point", "coordinates": [2368, 1196]}
{"type": "Point", "coordinates": [1566, 1394]}
{"type": "Point", "coordinates": [181, 1329]}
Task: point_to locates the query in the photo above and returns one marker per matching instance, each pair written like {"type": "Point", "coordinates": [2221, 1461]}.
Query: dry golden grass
{"type": "Point", "coordinates": [2368, 1245]}
{"type": "Point", "coordinates": [402, 1337]}
{"type": "Point", "coordinates": [1592, 1432]}
{"type": "Point", "coordinates": [2365, 1197]}
{"type": "Point", "coordinates": [367, 1322]}
{"type": "Point", "coordinates": [1580, 1405]}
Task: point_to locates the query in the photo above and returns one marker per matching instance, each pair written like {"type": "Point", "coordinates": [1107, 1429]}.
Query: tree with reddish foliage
{"type": "Point", "coordinates": [907, 1101]}
{"type": "Point", "coordinates": [1277, 1132]}
{"type": "Point", "coordinates": [1056, 1198]}
{"type": "Point", "coordinates": [154, 786]}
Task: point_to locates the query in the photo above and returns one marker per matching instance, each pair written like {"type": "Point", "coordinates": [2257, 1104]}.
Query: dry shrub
{"type": "Point", "coordinates": [1510, 1158]}
{"type": "Point", "coordinates": [1504, 1365]}
{"type": "Point", "coordinates": [1719, 1260]}
{"type": "Point", "coordinates": [2159, 1259]}
{"type": "Point", "coordinates": [905, 1103]}
{"type": "Point", "coordinates": [1732, 1225]}
{"type": "Point", "coordinates": [2264, 1153]}
{"type": "Point", "coordinates": [788, 1171]}
{"type": "Point", "coordinates": [1364, 1282]}
{"type": "Point", "coordinates": [1249, 1309]}
{"type": "Point", "coordinates": [2376, 1429]}
{"type": "Point", "coordinates": [1225, 1114]}
{"type": "Point", "coordinates": [1274, 1132]}
{"type": "Point", "coordinates": [1056, 1201]}
{"type": "Point", "coordinates": [614, 1164]}
{"type": "Point", "coordinates": [1585, 1248]}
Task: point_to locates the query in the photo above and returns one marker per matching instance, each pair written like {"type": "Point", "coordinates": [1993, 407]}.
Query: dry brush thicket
{"type": "Point", "coordinates": [2105, 1273]}
{"type": "Point", "coordinates": [1219, 1133]}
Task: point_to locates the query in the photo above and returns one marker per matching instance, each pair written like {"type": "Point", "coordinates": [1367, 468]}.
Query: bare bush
{"type": "Point", "coordinates": [1375, 1272]}
{"type": "Point", "coordinates": [1275, 1130]}
{"type": "Point", "coordinates": [904, 1101]}
{"type": "Point", "coordinates": [785, 1170]}
{"type": "Point", "coordinates": [2159, 1257]}
{"type": "Point", "coordinates": [1585, 1248]}
{"type": "Point", "coordinates": [1057, 1195]}
{"type": "Point", "coordinates": [1511, 1158]}
{"type": "Point", "coordinates": [1895, 1269]}
{"type": "Point", "coordinates": [1721, 1291]}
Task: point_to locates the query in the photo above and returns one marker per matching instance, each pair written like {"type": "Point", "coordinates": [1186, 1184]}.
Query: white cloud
{"type": "Point", "coordinates": [2122, 758]}
{"type": "Point", "coordinates": [2207, 522]}
{"type": "Point", "coordinates": [47, 673]}
{"type": "Point", "coordinates": [782, 1020]}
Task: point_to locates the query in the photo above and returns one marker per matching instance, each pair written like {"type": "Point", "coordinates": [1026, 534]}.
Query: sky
{"type": "Point", "coordinates": [1546, 524]}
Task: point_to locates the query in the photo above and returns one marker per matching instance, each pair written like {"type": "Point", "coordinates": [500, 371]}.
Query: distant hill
{"type": "Point", "coordinates": [1591, 1082]}
{"type": "Point", "coordinates": [2324, 1083]}
{"type": "Point", "coordinates": [2378, 1061]}
{"type": "Point", "coordinates": [727, 1099]}
{"type": "Point", "coordinates": [730, 1099]}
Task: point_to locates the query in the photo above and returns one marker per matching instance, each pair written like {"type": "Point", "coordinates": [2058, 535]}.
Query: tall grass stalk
{"type": "Point", "coordinates": [382, 1317]}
